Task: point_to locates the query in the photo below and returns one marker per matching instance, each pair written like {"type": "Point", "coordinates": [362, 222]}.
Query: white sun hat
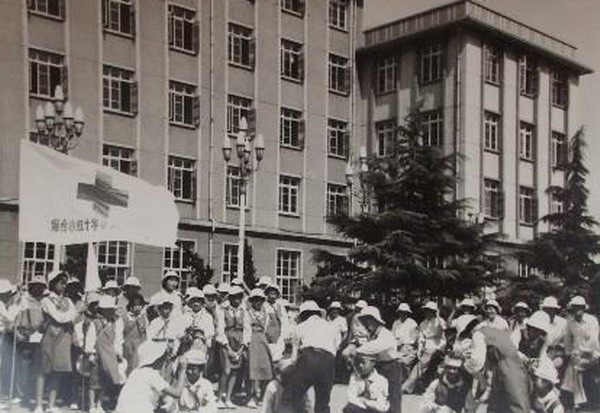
{"type": "Point", "coordinates": [430, 305]}
{"type": "Point", "coordinates": [107, 302]}
{"type": "Point", "coordinates": [360, 304]}
{"type": "Point", "coordinates": [540, 320]}
{"type": "Point", "coordinates": [335, 305]}
{"type": "Point", "coordinates": [257, 293]}
{"type": "Point", "coordinates": [224, 288]}
{"type": "Point", "coordinates": [550, 302]}
{"type": "Point", "coordinates": [150, 351]}
{"type": "Point", "coordinates": [209, 289]}
{"type": "Point", "coordinates": [404, 307]}
{"type": "Point", "coordinates": [467, 302]}
{"type": "Point", "coordinates": [372, 312]}
{"type": "Point", "coordinates": [309, 305]}
{"type": "Point", "coordinates": [462, 322]}
{"type": "Point", "coordinates": [236, 290]}
{"type": "Point", "coordinates": [6, 286]}
{"type": "Point", "coordinates": [132, 281]}
{"type": "Point", "coordinates": [577, 301]}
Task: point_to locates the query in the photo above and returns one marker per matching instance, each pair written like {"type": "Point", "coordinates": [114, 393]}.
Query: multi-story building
{"type": "Point", "coordinates": [161, 84]}
{"type": "Point", "coordinates": [500, 93]}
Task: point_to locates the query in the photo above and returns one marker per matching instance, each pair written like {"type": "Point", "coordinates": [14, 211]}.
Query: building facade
{"type": "Point", "coordinates": [162, 84]}
{"type": "Point", "coordinates": [500, 93]}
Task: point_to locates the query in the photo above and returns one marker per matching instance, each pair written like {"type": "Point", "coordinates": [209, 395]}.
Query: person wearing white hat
{"type": "Point", "coordinates": [583, 350]}
{"type": "Point", "coordinates": [533, 342]}
{"type": "Point", "coordinates": [546, 397]}
{"type": "Point", "coordinates": [449, 392]}
{"type": "Point", "coordinates": [405, 330]}
{"type": "Point", "coordinates": [357, 333]}
{"type": "Point", "coordinates": [145, 386]}
{"type": "Point", "coordinates": [315, 366]}
{"type": "Point", "coordinates": [517, 322]}
{"type": "Point", "coordinates": [197, 394]}
{"type": "Point", "coordinates": [338, 322]}
{"type": "Point", "coordinates": [493, 319]}
{"type": "Point", "coordinates": [9, 309]}
{"type": "Point", "coordinates": [368, 391]}
{"type": "Point", "coordinates": [467, 306]}
{"type": "Point", "coordinates": [131, 287]}
{"type": "Point", "coordinates": [198, 317]}
{"type": "Point", "coordinates": [168, 326]}
{"type": "Point", "coordinates": [104, 348]}
{"type": "Point", "coordinates": [223, 296]}
{"type": "Point", "coordinates": [170, 285]}
{"type": "Point", "coordinates": [278, 326]}
{"type": "Point", "coordinates": [558, 328]}
{"type": "Point", "coordinates": [135, 325]}
{"type": "Point", "coordinates": [264, 281]}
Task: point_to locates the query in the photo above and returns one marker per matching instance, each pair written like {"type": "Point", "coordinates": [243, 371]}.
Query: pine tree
{"type": "Point", "coordinates": [413, 238]}
{"type": "Point", "coordinates": [200, 273]}
{"type": "Point", "coordinates": [249, 268]}
{"type": "Point", "coordinates": [567, 251]}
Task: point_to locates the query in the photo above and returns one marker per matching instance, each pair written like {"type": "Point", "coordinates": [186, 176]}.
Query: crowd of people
{"type": "Point", "coordinates": [217, 347]}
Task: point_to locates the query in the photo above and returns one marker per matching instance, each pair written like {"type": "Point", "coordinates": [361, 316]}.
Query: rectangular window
{"type": "Point", "coordinates": [114, 260]}
{"type": "Point", "coordinates": [387, 74]}
{"type": "Point", "coordinates": [237, 108]}
{"type": "Point", "coordinates": [386, 137]}
{"type": "Point", "coordinates": [528, 78]}
{"type": "Point", "coordinates": [557, 206]}
{"type": "Point", "coordinates": [119, 90]}
{"type": "Point", "coordinates": [178, 260]}
{"type": "Point", "coordinates": [183, 29]}
{"type": "Point", "coordinates": [338, 135]}
{"type": "Point", "coordinates": [46, 71]}
{"type": "Point", "coordinates": [292, 60]}
{"type": "Point", "coordinates": [230, 262]}
{"type": "Point", "coordinates": [337, 200]}
{"type": "Point", "coordinates": [492, 56]}
{"type": "Point", "coordinates": [560, 150]}
{"type": "Point", "coordinates": [525, 270]}
{"type": "Point", "coordinates": [233, 190]}
{"type": "Point", "coordinates": [119, 158]}
{"type": "Point", "coordinates": [527, 141]}
{"type": "Point", "coordinates": [184, 104]}
{"type": "Point", "coordinates": [291, 133]}
{"type": "Point", "coordinates": [294, 6]}
{"type": "Point", "coordinates": [38, 259]}
{"type": "Point", "coordinates": [432, 125]}
{"type": "Point", "coordinates": [527, 206]}
{"type": "Point", "coordinates": [431, 59]}
{"type": "Point", "coordinates": [118, 16]}
{"type": "Point", "coordinates": [560, 89]}
{"type": "Point", "coordinates": [182, 178]}
{"type": "Point", "coordinates": [339, 74]}
{"type": "Point", "coordinates": [338, 14]}
{"type": "Point", "coordinates": [241, 46]}
{"type": "Point", "coordinates": [51, 8]}
{"type": "Point", "coordinates": [289, 191]}
{"type": "Point", "coordinates": [492, 198]}
{"type": "Point", "coordinates": [289, 274]}
{"type": "Point", "coordinates": [491, 132]}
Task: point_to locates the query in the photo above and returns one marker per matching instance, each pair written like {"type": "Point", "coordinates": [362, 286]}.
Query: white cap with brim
{"type": "Point", "coordinates": [92, 297]}
{"type": "Point", "coordinates": [53, 274]}
{"type": "Point", "coordinates": [309, 306]}
{"type": "Point", "coordinates": [6, 287]}
{"type": "Point", "coordinates": [493, 303]}
{"type": "Point", "coordinates": [430, 305]}
{"type": "Point", "coordinates": [150, 351]}
{"type": "Point", "coordinates": [360, 304]}
{"type": "Point", "coordinates": [194, 293]}
{"type": "Point", "coordinates": [111, 285]}
{"type": "Point", "coordinates": [264, 280]}
{"type": "Point", "coordinates": [467, 302]}
{"type": "Point", "coordinates": [453, 362]}
{"type": "Point", "coordinates": [539, 320]}
{"type": "Point", "coordinates": [209, 289]}
{"type": "Point", "coordinates": [237, 281]}
{"type": "Point", "coordinates": [236, 290]}
{"type": "Point", "coordinates": [404, 308]}
{"type": "Point", "coordinates": [37, 279]}
{"type": "Point", "coordinates": [195, 357]}
{"type": "Point", "coordinates": [372, 312]}
{"type": "Point", "coordinates": [462, 322]}
{"type": "Point", "coordinates": [257, 293]}
{"type": "Point", "coordinates": [335, 305]}
{"type": "Point", "coordinates": [171, 274]}
{"type": "Point", "coordinates": [522, 305]}
{"type": "Point", "coordinates": [107, 302]}
{"type": "Point", "coordinates": [550, 302]}
{"type": "Point", "coordinates": [577, 301]}
{"type": "Point", "coordinates": [132, 281]}
{"type": "Point", "coordinates": [224, 288]}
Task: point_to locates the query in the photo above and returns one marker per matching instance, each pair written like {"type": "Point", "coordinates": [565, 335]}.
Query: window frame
{"type": "Point", "coordinates": [338, 199]}
{"type": "Point", "coordinates": [560, 89]}
{"type": "Point", "coordinates": [387, 68]}
{"type": "Point", "coordinates": [338, 12]}
{"type": "Point", "coordinates": [187, 171]}
{"type": "Point", "coordinates": [429, 120]}
{"type": "Point", "coordinates": [431, 55]}
{"type": "Point", "coordinates": [527, 141]}
{"type": "Point", "coordinates": [492, 124]}
{"type": "Point", "coordinates": [122, 271]}
{"type": "Point", "coordinates": [289, 194]}
{"type": "Point", "coordinates": [338, 138]}
{"type": "Point", "coordinates": [231, 262]}
{"type": "Point", "coordinates": [36, 264]}
{"type": "Point", "coordinates": [180, 22]}
{"type": "Point", "coordinates": [291, 123]}
{"type": "Point", "coordinates": [183, 94]}
{"type": "Point", "coordinates": [527, 206]}
{"type": "Point", "coordinates": [118, 160]}
{"type": "Point", "coordinates": [492, 207]}
{"type": "Point", "coordinates": [108, 9]}
{"type": "Point", "coordinates": [169, 255]}
{"type": "Point", "coordinates": [385, 133]}
{"type": "Point", "coordinates": [528, 76]}
{"type": "Point", "coordinates": [125, 81]}
{"type": "Point", "coordinates": [492, 64]}
{"type": "Point", "coordinates": [560, 151]}
{"type": "Point", "coordinates": [298, 7]}
{"type": "Point", "coordinates": [338, 74]}
{"type": "Point", "coordinates": [236, 108]}
{"type": "Point", "coordinates": [42, 59]}
{"type": "Point", "coordinates": [33, 7]}
{"type": "Point", "coordinates": [290, 284]}
{"type": "Point", "coordinates": [243, 38]}
{"type": "Point", "coordinates": [233, 183]}
{"type": "Point", "coordinates": [290, 50]}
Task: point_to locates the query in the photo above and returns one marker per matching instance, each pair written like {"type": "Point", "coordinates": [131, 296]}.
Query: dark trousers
{"type": "Point", "coordinates": [313, 368]}
{"type": "Point", "coordinates": [393, 371]}
{"type": "Point", "coordinates": [352, 408]}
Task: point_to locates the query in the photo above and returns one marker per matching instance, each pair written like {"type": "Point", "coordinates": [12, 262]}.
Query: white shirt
{"type": "Point", "coordinates": [317, 333]}
{"type": "Point", "coordinates": [374, 388]}
{"type": "Point", "coordinates": [406, 332]}
{"type": "Point", "coordinates": [381, 344]}
{"type": "Point", "coordinates": [7, 316]}
{"type": "Point", "coordinates": [198, 397]}
{"type": "Point", "coordinates": [202, 320]}
{"type": "Point", "coordinates": [340, 325]}
{"type": "Point", "coordinates": [582, 336]}
{"type": "Point", "coordinates": [61, 317]}
{"type": "Point", "coordinates": [90, 338]}
{"type": "Point", "coordinates": [141, 391]}
{"type": "Point", "coordinates": [174, 296]}
{"type": "Point", "coordinates": [498, 323]}
{"type": "Point", "coordinates": [171, 329]}
{"type": "Point", "coordinates": [556, 334]}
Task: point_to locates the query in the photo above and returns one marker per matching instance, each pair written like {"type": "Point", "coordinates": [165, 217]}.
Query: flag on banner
{"type": "Point", "coordinates": [92, 279]}
{"type": "Point", "coordinates": [65, 200]}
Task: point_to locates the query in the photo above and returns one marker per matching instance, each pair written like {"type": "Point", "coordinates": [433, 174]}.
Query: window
{"type": "Point", "coordinates": [289, 275]}
{"type": "Point", "coordinates": [525, 270]}
{"type": "Point", "coordinates": [118, 16]}
{"type": "Point", "coordinates": [293, 6]}
{"type": "Point", "coordinates": [492, 56]}
{"type": "Point", "coordinates": [338, 14]}
{"type": "Point", "coordinates": [241, 46]}
{"type": "Point", "coordinates": [184, 31]}
{"type": "Point", "coordinates": [560, 150]}
{"type": "Point", "coordinates": [289, 189]}
{"type": "Point", "coordinates": [337, 132]}
{"type": "Point", "coordinates": [114, 260]}
{"type": "Point", "coordinates": [430, 68]}
{"type": "Point", "coordinates": [182, 178]}
{"type": "Point", "coordinates": [432, 125]}
{"type": "Point", "coordinates": [230, 262]}
{"type": "Point", "coordinates": [492, 203]}
{"type": "Point", "coordinates": [234, 186]}
{"type": "Point", "coordinates": [178, 259]}
{"type": "Point", "coordinates": [386, 137]}
{"type": "Point", "coordinates": [491, 132]}
{"type": "Point", "coordinates": [119, 158]}
{"type": "Point", "coordinates": [560, 89]}
{"type": "Point", "coordinates": [184, 104]}
{"type": "Point", "coordinates": [527, 143]}
{"type": "Point", "coordinates": [47, 70]}
{"type": "Point", "coordinates": [527, 206]}
{"type": "Point", "coordinates": [237, 108]}
{"type": "Point", "coordinates": [38, 259]}
{"type": "Point", "coordinates": [528, 79]}
{"type": "Point", "coordinates": [339, 74]}
{"type": "Point", "coordinates": [337, 200]}
{"type": "Point", "coordinates": [291, 132]}
{"type": "Point", "coordinates": [387, 74]}
{"type": "Point", "coordinates": [119, 90]}
{"type": "Point", "coordinates": [51, 8]}
{"type": "Point", "coordinates": [292, 60]}
{"type": "Point", "coordinates": [557, 206]}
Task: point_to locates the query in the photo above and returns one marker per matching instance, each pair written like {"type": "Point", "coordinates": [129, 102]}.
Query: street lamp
{"type": "Point", "coordinates": [58, 126]}
{"type": "Point", "coordinates": [244, 145]}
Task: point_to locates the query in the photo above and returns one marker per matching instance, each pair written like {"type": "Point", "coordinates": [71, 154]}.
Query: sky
{"type": "Point", "coordinates": [574, 21]}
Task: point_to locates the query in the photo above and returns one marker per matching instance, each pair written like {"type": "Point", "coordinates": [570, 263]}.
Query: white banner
{"type": "Point", "coordinates": [65, 200]}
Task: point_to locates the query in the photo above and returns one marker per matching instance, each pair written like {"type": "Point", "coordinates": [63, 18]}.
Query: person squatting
{"type": "Point", "coordinates": [217, 348]}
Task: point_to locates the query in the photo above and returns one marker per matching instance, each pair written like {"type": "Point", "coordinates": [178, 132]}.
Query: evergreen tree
{"type": "Point", "coordinates": [200, 273]}
{"type": "Point", "coordinates": [249, 268]}
{"type": "Point", "coordinates": [568, 249]}
{"type": "Point", "coordinates": [413, 237]}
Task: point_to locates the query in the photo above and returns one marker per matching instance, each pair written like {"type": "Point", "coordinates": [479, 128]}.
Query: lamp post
{"type": "Point", "coordinates": [363, 168]}
{"type": "Point", "coordinates": [58, 125]}
{"type": "Point", "coordinates": [245, 145]}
